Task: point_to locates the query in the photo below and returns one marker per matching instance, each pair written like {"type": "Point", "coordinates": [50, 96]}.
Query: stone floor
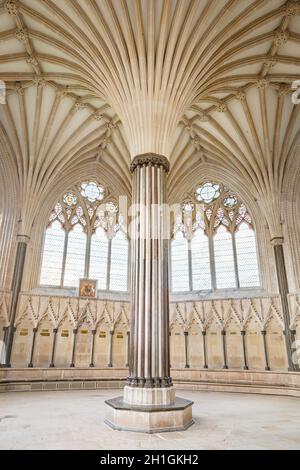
{"type": "Point", "coordinates": [74, 420]}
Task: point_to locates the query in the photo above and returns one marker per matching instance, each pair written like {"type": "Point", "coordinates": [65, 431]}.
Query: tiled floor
{"type": "Point", "coordinates": [74, 420]}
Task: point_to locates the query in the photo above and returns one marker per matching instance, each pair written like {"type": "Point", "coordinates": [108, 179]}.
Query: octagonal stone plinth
{"type": "Point", "coordinates": [149, 419]}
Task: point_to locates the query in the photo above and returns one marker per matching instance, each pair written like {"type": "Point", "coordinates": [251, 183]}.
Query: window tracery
{"type": "Point", "coordinates": [214, 239]}
{"type": "Point", "coordinates": [82, 237]}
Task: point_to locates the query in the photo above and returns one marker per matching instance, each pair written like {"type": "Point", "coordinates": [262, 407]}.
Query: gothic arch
{"type": "Point", "coordinates": [234, 182]}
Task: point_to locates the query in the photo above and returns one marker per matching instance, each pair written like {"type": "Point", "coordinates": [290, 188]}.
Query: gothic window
{"type": "Point", "coordinates": [53, 255]}
{"type": "Point", "coordinates": [200, 261]}
{"type": "Point", "coordinates": [214, 243]}
{"type": "Point", "coordinates": [99, 258]}
{"type": "Point", "coordinates": [208, 192]}
{"type": "Point", "coordinates": [75, 258]}
{"type": "Point", "coordinates": [246, 256]}
{"type": "Point", "coordinates": [224, 260]}
{"type": "Point", "coordinates": [180, 263]}
{"type": "Point", "coordinates": [119, 262]}
{"type": "Point", "coordinates": [85, 238]}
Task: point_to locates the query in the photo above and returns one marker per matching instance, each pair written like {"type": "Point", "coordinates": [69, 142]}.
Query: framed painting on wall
{"type": "Point", "coordinates": [88, 288]}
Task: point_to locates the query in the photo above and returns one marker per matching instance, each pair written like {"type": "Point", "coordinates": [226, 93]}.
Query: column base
{"type": "Point", "coordinates": [142, 396]}
{"type": "Point", "coordinates": [122, 416]}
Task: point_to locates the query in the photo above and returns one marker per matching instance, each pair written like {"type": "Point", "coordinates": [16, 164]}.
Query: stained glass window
{"type": "Point", "coordinates": [200, 261]}
{"type": "Point", "coordinates": [70, 199]}
{"type": "Point", "coordinates": [75, 259]}
{"type": "Point", "coordinates": [53, 253]}
{"type": "Point", "coordinates": [92, 191]}
{"type": "Point", "coordinates": [220, 236]}
{"type": "Point", "coordinates": [119, 263]}
{"type": "Point", "coordinates": [224, 259]}
{"type": "Point", "coordinates": [99, 258]}
{"type": "Point", "coordinates": [180, 263]}
{"type": "Point", "coordinates": [208, 192]}
{"type": "Point", "coordinates": [85, 238]}
{"type": "Point", "coordinates": [247, 256]}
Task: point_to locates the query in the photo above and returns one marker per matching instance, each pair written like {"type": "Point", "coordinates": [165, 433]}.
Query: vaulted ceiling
{"type": "Point", "coordinates": [201, 81]}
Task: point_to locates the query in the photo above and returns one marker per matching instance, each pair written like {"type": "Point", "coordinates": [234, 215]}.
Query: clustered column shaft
{"type": "Point", "coordinates": [283, 291]}
{"type": "Point", "coordinates": [55, 331]}
{"type": "Point", "coordinates": [16, 287]}
{"type": "Point", "coordinates": [149, 355]}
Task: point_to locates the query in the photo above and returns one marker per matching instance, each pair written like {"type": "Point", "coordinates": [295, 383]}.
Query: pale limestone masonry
{"type": "Point", "coordinates": [251, 315]}
{"type": "Point", "coordinates": [268, 383]}
{"type": "Point", "coordinates": [148, 397]}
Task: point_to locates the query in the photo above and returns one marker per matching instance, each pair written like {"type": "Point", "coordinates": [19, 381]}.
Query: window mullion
{"type": "Point", "coordinates": [128, 266]}
{"type": "Point", "coordinates": [235, 261]}
{"type": "Point", "coordinates": [190, 264]}
{"type": "Point", "coordinates": [64, 258]}
{"type": "Point", "coordinates": [108, 264]}
{"type": "Point", "coordinates": [212, 261]}
{"type": "Point", "coordinates": [87, 255]}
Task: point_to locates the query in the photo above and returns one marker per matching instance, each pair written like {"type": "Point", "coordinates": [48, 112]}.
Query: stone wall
{"type": "Point", "coordinates": [220, 333]}
{"type": "Point", "coordinates": [270, 383]}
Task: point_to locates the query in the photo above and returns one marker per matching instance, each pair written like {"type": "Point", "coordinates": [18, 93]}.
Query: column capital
{"type": "Point", "coordinates": [277, 241]}
{"type": "Point", "coordinates": [23, 238]}
{"type": "Point", "coordinates": [150, 159]}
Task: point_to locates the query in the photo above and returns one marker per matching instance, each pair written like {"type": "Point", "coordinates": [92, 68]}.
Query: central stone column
{"type": "Point", "coordinates": [149, 381]}
{"type": "Point", "coordinates": [149, 403]}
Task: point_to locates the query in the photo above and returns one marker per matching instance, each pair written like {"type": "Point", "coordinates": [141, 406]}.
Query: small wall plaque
{"type": "Point", "coordinates": [84, 332]}
{"type": "Point", "coordinates": [102, 334]}
{"type": "Point", "coordinates": [120, 335]}
{"type": "Point", "coordinates": [64, 333]}
{"type": "Point", "coordinates": [24, 332]}
{"type": "Point", "coordinates": [88, 288]}
{"type": "Point", "coordinates": [45, 333]}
